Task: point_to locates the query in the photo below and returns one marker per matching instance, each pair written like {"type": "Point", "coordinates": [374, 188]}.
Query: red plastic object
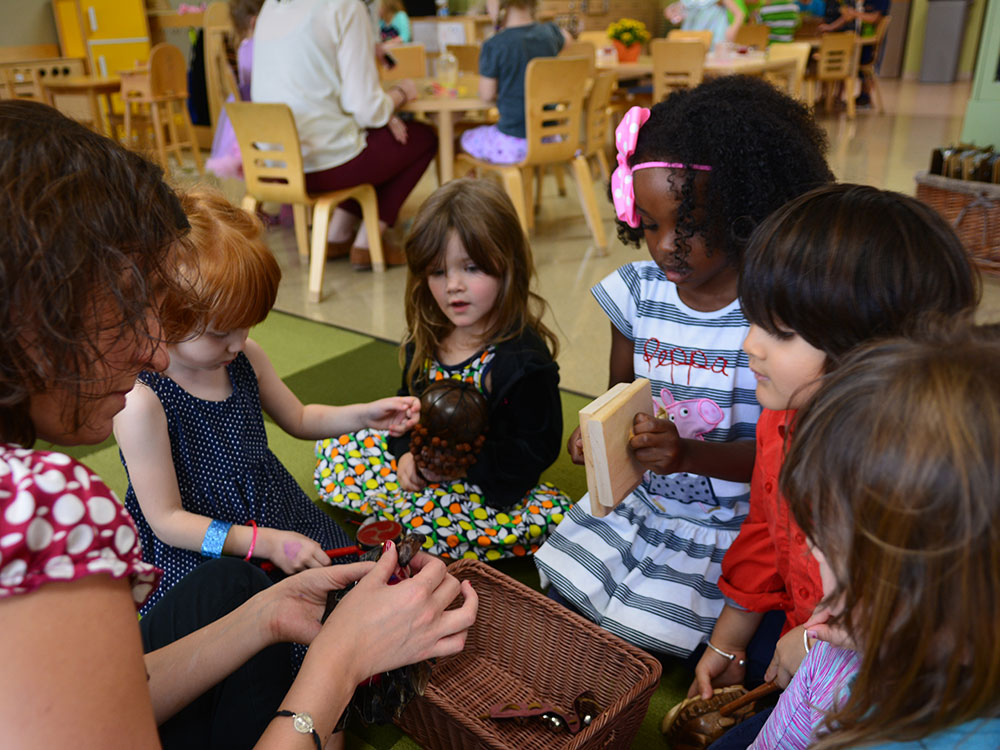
{"type": "Point", "coordinates": [372, 535]}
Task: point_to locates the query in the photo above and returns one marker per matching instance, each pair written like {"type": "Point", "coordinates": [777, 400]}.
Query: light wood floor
{"type": "Point", "coordinates": [882, 150]}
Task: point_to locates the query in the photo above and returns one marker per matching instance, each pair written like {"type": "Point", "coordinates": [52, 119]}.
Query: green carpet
{"type": "Point", "coordinates": [325, 364]}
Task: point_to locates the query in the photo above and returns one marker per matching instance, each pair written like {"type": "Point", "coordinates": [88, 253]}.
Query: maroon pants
{"type": "Point", "coordinates": [393, 168]}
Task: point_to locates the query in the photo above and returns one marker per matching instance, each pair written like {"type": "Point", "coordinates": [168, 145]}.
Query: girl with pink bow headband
{"type": "Point", "coordinates": [622, 192]}
{"type": "Point", "coordinates": [695, 174]}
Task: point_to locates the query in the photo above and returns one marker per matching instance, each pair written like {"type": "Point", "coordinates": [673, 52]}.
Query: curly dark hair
{"type": "Point", "coordinates": [86, 229]}
{"type": "Point", "coordinates": [764, 148]}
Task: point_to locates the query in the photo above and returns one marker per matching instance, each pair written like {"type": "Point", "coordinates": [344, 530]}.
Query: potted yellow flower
{"type": "Point", "coordinates": [628, 35]}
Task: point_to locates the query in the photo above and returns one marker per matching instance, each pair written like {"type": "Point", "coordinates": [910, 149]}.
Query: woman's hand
{"type": "Point", "coordinates": [406, 473]}
{"type": "Point", "coordinates": [788, 655]}
{"type": "Point", "coordinates": [391, 626]}
{"type": "Point", "coordinates": [289, 550]}
{"type": "Point", "coordinates": [656, 443]}
{"type": "Point", "coordinates": [292, 608]}
{"type": "Point", "coordinates": [398, 129]}
{"type": "Point", "coordinates": [397, 414]}
{"type": "Point", "coordinates": [715, 670]}
{"type": "Point", "coordinates": [402, 91]}
{"type": "Point", "coordinates": [575, 447]}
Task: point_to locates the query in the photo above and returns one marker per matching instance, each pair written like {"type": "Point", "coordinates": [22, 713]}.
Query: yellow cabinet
{"type": "Point", "coordinates": [112, 34]}
{"type": "Point", "coordinates": [115, 19]}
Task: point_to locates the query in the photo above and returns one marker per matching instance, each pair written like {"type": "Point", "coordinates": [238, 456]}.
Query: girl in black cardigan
{"type": "Point", "coordinates": [471, 316]}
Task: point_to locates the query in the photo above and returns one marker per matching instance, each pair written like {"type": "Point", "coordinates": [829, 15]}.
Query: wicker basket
{"type": "Point", "coordinates": [526, 647]}
{"type": "Point", "coordinates": [973, 210]}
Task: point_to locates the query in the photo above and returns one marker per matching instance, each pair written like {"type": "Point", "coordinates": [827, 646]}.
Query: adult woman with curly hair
{"type": "Point", "coordinates": [88, 233]}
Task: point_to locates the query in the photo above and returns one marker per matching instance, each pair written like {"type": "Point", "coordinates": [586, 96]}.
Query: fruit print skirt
{"type": "Point", "coordinates": [356, 472]}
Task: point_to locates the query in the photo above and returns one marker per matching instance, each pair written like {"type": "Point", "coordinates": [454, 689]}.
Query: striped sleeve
{"type": "Point", "coordinates": [619, 294]}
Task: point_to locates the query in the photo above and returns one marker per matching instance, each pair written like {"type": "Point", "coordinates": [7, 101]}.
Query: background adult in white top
{"type": "Point", "coordinates": [318, 57]}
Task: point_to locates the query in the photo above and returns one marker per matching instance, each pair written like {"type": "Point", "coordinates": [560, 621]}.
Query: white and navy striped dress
{"type": "Point", "coordinates": [648, 571]}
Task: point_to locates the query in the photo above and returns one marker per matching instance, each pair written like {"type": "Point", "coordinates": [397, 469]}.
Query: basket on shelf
{"type": "Point", "coordinates": [526, 647]}
{"type": "Point", "coordinates": [972, 209]}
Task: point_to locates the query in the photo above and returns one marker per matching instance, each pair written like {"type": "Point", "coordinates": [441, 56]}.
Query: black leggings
{"type": "Point", "coordinates": [235, 712]}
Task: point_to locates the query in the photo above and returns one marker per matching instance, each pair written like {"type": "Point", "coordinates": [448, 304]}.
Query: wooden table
{"type": "Point", "coordinates": [714, 66]}
{"type": "Point", "coordinates": [443, 105]}
{"type": "Point", "coordinates": [90, 87]}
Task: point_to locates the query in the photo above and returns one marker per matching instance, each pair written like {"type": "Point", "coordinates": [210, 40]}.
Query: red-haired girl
{"type": "Point", "coordinates": [202, 481]}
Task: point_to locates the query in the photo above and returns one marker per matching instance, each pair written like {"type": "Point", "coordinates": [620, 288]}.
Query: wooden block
{"type": "Point", "coordinates": [606, 426]}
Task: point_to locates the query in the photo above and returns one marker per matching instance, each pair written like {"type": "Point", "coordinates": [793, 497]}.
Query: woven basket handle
{"type": "Point", "coordinates": [981, 201]}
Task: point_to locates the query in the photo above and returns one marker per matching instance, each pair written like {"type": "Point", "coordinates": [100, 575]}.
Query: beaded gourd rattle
{"type": "Point", "coordinates": [449, 436]}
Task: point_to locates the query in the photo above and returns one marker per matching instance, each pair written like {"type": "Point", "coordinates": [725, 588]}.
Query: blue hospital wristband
{"type": "Point", "coordinates": [215, 537]}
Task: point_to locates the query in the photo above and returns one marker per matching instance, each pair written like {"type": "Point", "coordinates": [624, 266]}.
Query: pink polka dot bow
{"type": "Point", "coordinates": [622, 192]}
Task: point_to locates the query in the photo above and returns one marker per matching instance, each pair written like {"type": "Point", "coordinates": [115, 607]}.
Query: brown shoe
{"type": "Point", "coordinates": [361, 259]}
{"type": "Point", "coordinates": [338, 249]}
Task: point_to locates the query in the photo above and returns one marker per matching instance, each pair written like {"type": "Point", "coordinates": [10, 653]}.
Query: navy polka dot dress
{"type": "Point", "coordinates": [225, 470]}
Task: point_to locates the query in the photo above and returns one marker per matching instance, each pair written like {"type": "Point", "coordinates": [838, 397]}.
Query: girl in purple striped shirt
{"type": "Point", "coordinates": [894, 475]}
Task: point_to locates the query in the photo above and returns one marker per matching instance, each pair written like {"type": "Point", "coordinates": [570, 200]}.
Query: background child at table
{"type": "Point", "coordinates": [708, 164]}
{"type": "Point", "coordinates": [471, 315]}
{"type": "Point", "coordinates": [838, 267]}
{"type": "Point", "coordinates": [394, 24]}
{"type": "Point", "coordinates": [192, 438]}
{"type": "Point", "coordinates": [722, 17]}
{"type": "Point", "coordinates": [502, 64]}
{"type": "Point", "coordinates": [893, 475]}
{"type": "Point", "coordinates": [225, 159]}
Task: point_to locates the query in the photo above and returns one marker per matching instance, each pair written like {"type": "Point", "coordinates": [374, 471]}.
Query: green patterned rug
{"type": "Point", "coordinates": [324, 364]}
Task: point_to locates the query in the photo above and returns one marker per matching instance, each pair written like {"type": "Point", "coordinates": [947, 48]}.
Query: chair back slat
{"type": "Point", "coordinates": [467, 56]}
{"type": "Point", "coordinates": [676, 64]}
{"type": "Point", "coordinates": [578, 49]}
{"type": "Point", "coordinates": [596, 112]}
{"type": "Point", "coordinates": [834, 57]}
{"type": "Point", "coordinates": [753, 35]}
{"type": "Point", "coordinates": [411, 62]}
{"type": "Point", "coordinates": [167, 72]}
{"type": "Point", "coordinates": [553, 107]}
{"type": "Point", "coordinates": [269, 144]}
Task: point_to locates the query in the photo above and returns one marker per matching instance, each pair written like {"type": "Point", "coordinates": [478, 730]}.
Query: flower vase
{"type": "Point", "coordinates": [627, 54]}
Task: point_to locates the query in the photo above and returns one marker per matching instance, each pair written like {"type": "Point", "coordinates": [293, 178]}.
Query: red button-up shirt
{"type": "Point", "coordinates": [769, 565]}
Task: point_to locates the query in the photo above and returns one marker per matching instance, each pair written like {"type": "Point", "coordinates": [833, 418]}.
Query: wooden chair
{"type": "Point", "coordinates": [22, 84]}
{"type": "Point", "coordinates": [833, 65]}
{"type": "Point", "coordinates": [593, 142]}
{"type": "Point", "coordinates": [753, 35]}
{"type": "Point", "coordinates": [579, 49]}
{"type": "Point", "coordinates": [467, 56]}
{"type": "Point", "coordinates": [677, 64]}
{"type": "Point", "coordinates": [797, 51]}
{"type": "Point", "coordinates": [219, 34]}
{"type": "Point", "coordinates": [867, 70]}
{"type": "Point", "coordinates": [553, 113]}
{"type": "Point", "coordinates": [272, 168]}
{"type": "Point", "coordinates": [597, 38]}
{"type": "Point", "coordinates": [705, 37]}
{"type": "Point", "coordinates": [411, 62]}
{"type": "Point", "coordinates": [161, 87]}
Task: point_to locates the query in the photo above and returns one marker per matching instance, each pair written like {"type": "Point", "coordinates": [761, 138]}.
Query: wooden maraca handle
{"type": "Point", "coordinates": [758, 692]}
